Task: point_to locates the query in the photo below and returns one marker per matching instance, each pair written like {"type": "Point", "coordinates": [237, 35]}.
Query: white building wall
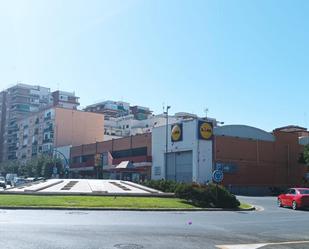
{"type": "Point", "coordinates": [65, 150]}
{"type": "Point", "coordinates": [304, 141]}
{"type": "Point", "coordinates": [202, 151]}
{"type": "Point", "coordinates": [205, 161]}
{"type": "Point", "coordinates": [127, 125]}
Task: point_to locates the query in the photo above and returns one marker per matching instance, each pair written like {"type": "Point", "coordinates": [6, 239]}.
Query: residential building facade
{"type": "Point", "coordinates": [66, 100]}
{"type": "Point", "coordinates": [42, 132]}
{"type": "Point", "coordinates": [129, 125]}
{"type": "Point", "coordinates": [17, 102]}
{"type": "Point", "coordinates": [110, 109]}
{"type": "Point", "coordinates": [140, 112]}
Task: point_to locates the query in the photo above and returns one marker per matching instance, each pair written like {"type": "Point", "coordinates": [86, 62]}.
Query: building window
{"type": "Point", "coordinates": [142, 151]}
{"type": "Point", "coordinates": [77, 159]}
{"type": "Point", "coordinates": [87, 158]}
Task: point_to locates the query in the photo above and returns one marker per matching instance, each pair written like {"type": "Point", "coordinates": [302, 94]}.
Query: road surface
{"type": "Point", "coordinates": [39, 229]}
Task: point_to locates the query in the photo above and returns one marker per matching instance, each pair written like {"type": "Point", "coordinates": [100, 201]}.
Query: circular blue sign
{"type": "Point", "coordinates": [217, 176]}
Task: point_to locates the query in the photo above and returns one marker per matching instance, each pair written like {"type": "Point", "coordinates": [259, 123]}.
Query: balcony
{"type": "Point", "coordinates": [12, 157]}
{"type": "Point", "coordinates": [47, 140]}
{"type": "Point", "coordinates": [49, 129]}
{"type": "Point", "coordinates": [12, 148]}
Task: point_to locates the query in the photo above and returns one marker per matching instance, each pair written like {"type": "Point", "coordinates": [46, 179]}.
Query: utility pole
{"type": "Point", "coordinates": [166, 136]}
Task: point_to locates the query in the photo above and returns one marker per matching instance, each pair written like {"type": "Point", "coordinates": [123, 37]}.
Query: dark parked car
{"type": "Point", "coordinates": [2, 182]}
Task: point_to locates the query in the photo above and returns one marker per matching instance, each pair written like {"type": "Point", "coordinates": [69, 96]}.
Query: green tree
{"type": "Point", "coordinates": [9, 167]}
{"type": "Point", "coordinates": [306, 154]}
{"type": "Point", "coordinates": [41, 166]}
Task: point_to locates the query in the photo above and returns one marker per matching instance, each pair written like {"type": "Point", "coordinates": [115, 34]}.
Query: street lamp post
{"type": "Point", "coordinates": [166, 137]}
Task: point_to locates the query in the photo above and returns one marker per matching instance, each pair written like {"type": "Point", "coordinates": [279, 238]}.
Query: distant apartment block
{"type": "Point", "coordinates": [65, 100]}
{"type": "Point", "coordinates": [110, 109]}
{"type": "Point", "coordinates": [57, 127]}
{"type": "Point", "coordinates": [123, 120]}
{"type": "Point", "coordinates": [140, 112]}
{"type": "Point", "coordinates": [20, 101]}
{"type": "Point", "coordinates": [129, 125]}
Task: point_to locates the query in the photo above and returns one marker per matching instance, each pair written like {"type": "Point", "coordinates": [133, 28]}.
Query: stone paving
{"type": "Point", "coordinates": [85, 186]}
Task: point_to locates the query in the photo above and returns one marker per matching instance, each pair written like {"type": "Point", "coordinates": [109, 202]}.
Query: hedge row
{"type": "Point", "coordinates": [200, 195]}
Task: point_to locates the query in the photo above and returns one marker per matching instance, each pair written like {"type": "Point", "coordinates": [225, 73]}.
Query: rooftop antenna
{"type": "Point", "coordinates": [163, 107]}
{"type": "Point", "coordinates": [206, 110]}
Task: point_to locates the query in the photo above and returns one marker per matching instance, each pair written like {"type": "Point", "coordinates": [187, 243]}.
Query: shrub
{"type": "Point", "coordinates": [162, 185]}
{"type": "Point", "coordinates": [200, 195]}
{"type": "Point", "coordinates": [224, 198]}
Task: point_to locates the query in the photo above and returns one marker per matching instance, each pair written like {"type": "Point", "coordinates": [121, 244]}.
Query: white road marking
{"type": "Point", "coordinates": [244, 246]}
{"type": "Point", "coordinates": [256, 246]}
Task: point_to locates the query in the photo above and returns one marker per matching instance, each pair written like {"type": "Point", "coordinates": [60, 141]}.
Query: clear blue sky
{"type": "Point", "coordinates": [247, 61]}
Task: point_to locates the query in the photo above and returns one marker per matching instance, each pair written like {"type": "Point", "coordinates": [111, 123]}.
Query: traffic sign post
{"type": "Point", "coordinates": [217, 177]}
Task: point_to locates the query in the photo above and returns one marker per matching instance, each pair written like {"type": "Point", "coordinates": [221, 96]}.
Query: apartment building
{"type": "Point", "coordinates": [65, 100]}
{"type": "Point", "coordinates": [110, 109]}
{"type": "Point", "coordinates": [42, 132]}
{"type": "Point", "coordinates": [2, 120]}
{"type": "Point", "coordinates": [17, 102]}
{"type": "Point", "coordinates": [129, 125]}
{"type": "Point", "coordinates": [140, 112]}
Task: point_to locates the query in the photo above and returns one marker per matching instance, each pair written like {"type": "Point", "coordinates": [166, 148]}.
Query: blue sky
{"type": "Point", "coordinates": [246, 61]}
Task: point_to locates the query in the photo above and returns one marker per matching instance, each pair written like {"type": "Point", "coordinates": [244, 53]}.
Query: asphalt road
{"type": "Point", "coordinates": [40, 229]}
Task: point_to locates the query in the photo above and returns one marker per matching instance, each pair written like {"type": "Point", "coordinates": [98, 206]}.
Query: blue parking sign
{"type": "Point", "coordinates": [217, 176]}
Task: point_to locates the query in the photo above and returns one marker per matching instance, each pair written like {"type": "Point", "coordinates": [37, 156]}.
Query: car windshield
{"type": "Point", "coordinates": [304, 191]}
{"type": "Point", "coordinates": [2, 178]}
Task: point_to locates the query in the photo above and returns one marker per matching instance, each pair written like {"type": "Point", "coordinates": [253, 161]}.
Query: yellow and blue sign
{"type": "Point", "coordinates": [205, 130]}
{"type": "Point", "coordinates": [176, 132]}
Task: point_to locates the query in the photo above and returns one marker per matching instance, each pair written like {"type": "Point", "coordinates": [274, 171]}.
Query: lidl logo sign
{"type": "Point", "coordinates": [205, 130]}
{"type": "Point", "coordinates": [176, 133]}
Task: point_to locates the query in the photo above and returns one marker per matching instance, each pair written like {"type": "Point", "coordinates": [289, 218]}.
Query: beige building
{"type": "Point", "coordinates": [57, 127]}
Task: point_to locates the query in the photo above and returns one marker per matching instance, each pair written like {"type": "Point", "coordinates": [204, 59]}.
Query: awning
{"type": "Point", "coordinates": [124, 165]}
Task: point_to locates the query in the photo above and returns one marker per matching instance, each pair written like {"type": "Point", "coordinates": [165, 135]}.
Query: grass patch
{"type": "Point", "coordinates": [91, 202]}
{"type": "Point", "coordinates": [245, 206]}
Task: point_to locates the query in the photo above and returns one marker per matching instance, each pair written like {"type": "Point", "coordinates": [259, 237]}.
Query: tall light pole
{"type": "Point", "coordinates": [166, 137]}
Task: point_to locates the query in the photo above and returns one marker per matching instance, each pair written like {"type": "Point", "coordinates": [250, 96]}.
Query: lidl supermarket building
{"type": "Point", "coordinates": [188, 156]}
{"type": "Point", "coordinates": [253, 160]}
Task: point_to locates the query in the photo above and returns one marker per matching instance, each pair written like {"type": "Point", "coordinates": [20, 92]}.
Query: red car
{"type": "Point", "coordinates": [295, 198]}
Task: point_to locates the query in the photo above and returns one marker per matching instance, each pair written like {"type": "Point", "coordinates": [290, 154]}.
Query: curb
{"type": "Point", "coordinates": [130, 209]}
{"type": "Point", "coordinates": [161, 195]}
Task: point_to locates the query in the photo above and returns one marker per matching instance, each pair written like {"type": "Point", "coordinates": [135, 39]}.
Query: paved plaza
{"type": "Point", "coordinates": [85, 186]}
